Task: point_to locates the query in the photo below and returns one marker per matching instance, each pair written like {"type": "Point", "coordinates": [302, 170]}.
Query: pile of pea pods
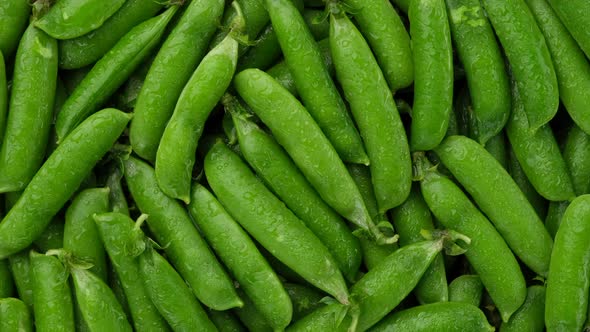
{"type": "Point", "coordinates": [294, 165]}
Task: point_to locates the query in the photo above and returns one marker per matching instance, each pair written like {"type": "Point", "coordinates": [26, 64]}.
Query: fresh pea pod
{"type": "Point", "coordinates": [30, 114]}
{"type": "Point", "coordinates": [467, 289]}
{"type": "Point", "coordinates": [14, 16]}
{"type": "Point", "coordinates": [433, 73]}
{"type": "Point", "coordinates": [530, 316]}
{"type": "Point", "coordinates": [533, 72]}
{"type": "Point", "coordinates": [250, 316]}
{"type": "Point", "coordinates": [20, 266]}
{"type": "Point", "coordinates": [14, 316]}
{"type": "Point", "coordinates": [239, 254]}
{"type": "Point", "coordinates": [538, 202]}
{"type": "Point", "coordinates": [576, 153]}
{"type": "Point", "coordinates": [498, 196]}
{"type": "Point", "coordinates": [59, 177]}
{"type": "Point", "coordinates": [304, 299]}
{"type": "Point", "coordinates": [88, 48]}
{"type": "Point", "coordinates": [110, 72]}
{"type": "Point", "coordinates": [321, 99]}
{"type": "Point", "coordinates": [385, 32]}
{"type": "Point", "coordinates": [567, 292]}
{"type": "Point", "coordinates": [53, 308]}
{"type": "Point", "coordinates": [69, 19]}
{"type": "Point", "coordinates": [6, 282]}
{"type": "Point", "coordinates": [3, 95]}
{"type": "Point", "coordinates": [174, 64]}
{"type": "Point", "coordinates": [382, 130]}
{"type": "Point", "coordinates": [171, 226]}
{"type": "Point", "coordinates": [269, 221]}
{"type": "Point", "coordinates": [573, 15]}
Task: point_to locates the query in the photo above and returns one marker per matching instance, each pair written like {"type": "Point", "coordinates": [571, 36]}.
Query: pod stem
{"type": "Point", "coordinates": [40, 8]}
{"type": "Point", "coordinates": [448, 239]}
{"type": "Point", "coordinates": [421, 166]}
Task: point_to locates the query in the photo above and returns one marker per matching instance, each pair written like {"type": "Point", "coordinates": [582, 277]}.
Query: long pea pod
{"type": "Point", "coordinates": [14, 16]}
{"type": "Point", "coordinates": [14, 316]}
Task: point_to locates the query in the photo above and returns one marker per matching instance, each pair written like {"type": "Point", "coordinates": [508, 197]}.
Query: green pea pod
{"type": "Point", "coordinates": [81, 237]}
{"type": "Point", "coordinates": [59, 177]}
{"type": "Point", "coordinates": [530, 316]}
{"type": "Point", "coordinates": [6, 282]}
{"type": "Point", "coordinates": [171, 295]}
{"type": "Point", "coordinates": [538, 202]}
{"type": "Point", "coordinates": [14, 316]}
{"type": "Point", "coordinates": [573, 15]}
{"type": "Point", "coordinates": [498, 196]}
{"type": "Point", "coordinates": [444, 316]}
{"type": "Point", "coordinates": [171, 226]}
{"type": "Point", "coordinates": [264, 53]}
{"type": "Point", "coordinates": [433, 73]}
{"type": "Point", "coordinates": [250, 316]}
{"type": "Point", "coordinates": [331, 317]}
{"type": "Point", "coordinates": [269, 221]}
{"type": "Point", "coordinates": [576, 154]}
{"type": "Point", "coordinates": [304, 299]}
{"type": "Point", "coordinates": [554, 215]}
{"type": "Point", "coordinates": [535, 148]}
{"type": "Point", "coordinates": [117, 199]}
{"type": "Point", "coordinates": [409, 219]}
{"type": "Point", "coordinates": [288, 183]}
{"type": "Point", "coordinates": [484, 66]}
{"type": "Point", "coordinates": [382, 130]}
{"type": "Point", "coordinates": [225, 321]}
{"type": "Point", "coordinates": [69, 19]}
{"type": "Point", "coordinates": [52, 296]}
{"type": "Point", "coordinates": [303, 140]}
{"type": "Point", "coordinates": [176, 153]}
{"type": "Point", "coordinates": [52, 237]}
{"type": "Point", "coordinates": [29, 117]}
{"type": "Point", "coordinates": [321, 98]}
{"type": "Point", "coordinates": [533, 72]}
{"type": "Point", "coordinates": [467, 288]}
{"type": "Point", "coordinates": [87, 49]}
{"type": "Point", "coordinates": [488, 254]}
{"type": "Point", "coordinates": [109, 73]}
{"type": "Point", "coordinates": [240, 256]}
{"type": "Point", "coordinates": [3, 96]}
{"type": "Point", "coordinates": [567, 293]}
{"type": "Point", "coordinates": [497, 147]}
{"type": "Point", "coordinates": [116, 230]}
{"type": "Point", "coordinates": [14, 17]}
{"type": "Point", "coordinates": [385, 32]}
{"type": "Point", "coordinates": [318, 25]}
{"type": "Point", "coordinates": [115, 284]}
{"type": "Point", "coordinates": [97, 302]}
{"type": "Point", "coordinates": [174, 64]}
{"type": "Point", "coordinates": [20, 265]}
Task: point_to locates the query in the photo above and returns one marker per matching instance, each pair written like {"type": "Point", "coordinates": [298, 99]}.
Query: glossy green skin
{"type": "Point", "coordinates": [53, 308]}
{"type": "Point", "coordinates": [576, 154]}
{"type": "Point", "coordinates": [467, 289]}
{"type": "Point", "coordinates": [273, 165]}
{"type": "Point", "coordinates": [572, 14]}
{"type": "Point", "coordinates": [327, 318]}
{"type": "Point", "coordinates": [117, 199]}
{"type": "Point", "coordinates": [304, 299]}
{"type": "Point", "coordinates": [383, 288]}
{"type": "Point", "coordinates": [240, 255]}
{"type": "Point", "coordinates": [381, 128]}
{"type": "Point", "coordinates": [81, 236]}
{"type": "Point", "coordinates": [571, 65]}
{"type": "Point", "coordinates": [250, 316]}
{"type": "Point", "coordinates": [52, 237]}
{"type": "Point", "coordinates": [302, 138]}
{"type": "Point", "coordinates": [14, 316]}
{"type": "Point", "coordinates": [437, 317]}
{"type": "Point", "coordinates": [20, 266]}
{"type": "Point", "coordinates": [98, 304]}
{"type": "Point", "coordinates": [318, 25]}
{"type": "Point", "coordinates": [433, 73]}
{"type": "Point", "coordinates": [409, 219]}
{"type": "Point", "coordinates": [270, 222]}
{"type": "Point", "coordinates": [14, 16]}
{"type": "Point", "coordinates": [538, 154]}
{"type": "Point", "coordinates": [116, 231]}
{"type": "Point", "coordinates": [482, 60]}
{"type": "Point", "coordinates": [554, 216]}
{"type": "Point", "coordinates": [172, 227]}
{"type": "Point", "coordinates": [225, 321]}
{"type": "Point", "coordinates": [3, 96]}
{"type": "Point", "coordinates": [176, 153]}
{"type": "Point", "coordinates": [498, 196]}
{"type": "Point", "coordinates": [496, 146]}
{"type": "Point", "coordinates": [569, 273]}
{"type": "Point", "coordinates": [69, 19]}
{"type": "Point", "coordinates": [117, 287]}
{"type": "Point", "coordinates": [59, 177]}
{"type": "Point", "coordinates": [312, 79]}
{"type": "Point", "coordinates": [385, 32]}
{"type": "Point", "coordinates": [6, 282]}
{"type": "Point", "coordinates": [110, 72]}
{"type": "Point", "coordinates": [530, 316]}
{"type": "Point", "coordinates": [29, 117]}
{"type": "Point", "coordinates": [518, 34]}
{"type": "Point", "coordinates": [538, 202]}
{"type": "Point", "coordinates": [171, 295]}
{"type": "Point", "coordinates": [173, 66]}
{"type": "Point", "coordinates": [87, 49]}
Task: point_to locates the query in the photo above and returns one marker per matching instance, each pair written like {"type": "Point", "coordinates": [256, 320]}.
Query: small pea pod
{"type": "Point", "coordinates": [530, 316]}
{"type": "Point", "coordinates": [53, 308]}
{"type": "Point", "coordinates": [109, 73]}
{"type": "Point", "coordinates": [68, 19]}
{"type": "Point", "coordinates": [3, 96]}
{"type": "Point", "coordinates": [87, 49]}
{"type": "Point", "coordinates": [14, 316]}
{"type": "Point", "coordinates": [174, 64]}
{"type": "Point", "coordinates": [498, 196]}
{"type": "Point", "coordinates": [433, 73]}
{"type": "Point", "coordinates": [567, 293]}
{"type": "Point", "coordinates": [171, 226]}
{"type": "Point", "coordinates": [59, 177]}
{"type": "Point", "coordinates": [538, 202]}
{"type": "Point", "coordinates": [29, 116]}
{"type": "Point", "coordinates": [305, 299]}
{"type": "Point", "coordinates": [13, 22]}
{"type": "Point", "coordinates": [239, 254]}
{"type": "Point", "coordinates": [467, 289]}
{"type": "Point", "coordinates": [20, 266]}
{"type": "Point", "coordinates": [382, 130]}
{"type": "Point", "coordinates": [269, 221]}
{"type": "Point", "coordinates": [573, 15]}
{"type": "Point", "coordinates": [6, 282]}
